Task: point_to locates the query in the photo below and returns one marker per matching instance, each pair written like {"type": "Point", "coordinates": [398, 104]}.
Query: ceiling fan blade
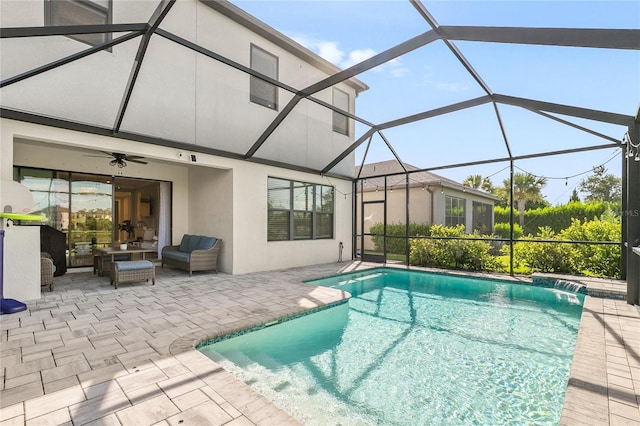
{"type": "Point", "coordinates": [137, 161]}
{"type": "Point", "coordinates": [133, 157]}
{"type": "Point", "coordinates": [97, 156]}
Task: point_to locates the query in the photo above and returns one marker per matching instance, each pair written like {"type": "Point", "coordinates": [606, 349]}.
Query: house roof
{"type": "Point", "coordinates": [396, 177]}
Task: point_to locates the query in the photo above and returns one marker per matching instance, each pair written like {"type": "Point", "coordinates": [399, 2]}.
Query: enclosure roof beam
{"type": "Point", "coordinates": [576, 37]}
{"type": "Point", "coordinates": [69, 59]}
{"type": "Point", "coordinates": [158, 15]}
{"type": "Point", "coordinates": [503, 159]}
{"type": "Point", "coordinates": [589, 114]}
{"type": "Point", "coordinates": [215, 56]}
{"type": "Point", "coordinates": [367, 64]}
{"type": "Point", "coordinates": [435, 112]}
{"type": "Point", "coordinates": [422, 10]}
{"type": "Point", "coordinates": [576, 126]}
{"type": "Point", "coordinates": [57, 30]}
{"type": "Point", "coordinates": [349, 150]}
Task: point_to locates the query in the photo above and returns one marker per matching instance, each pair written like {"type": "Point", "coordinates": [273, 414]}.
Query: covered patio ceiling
{"type": "Point", "coordinates": [154, 23]}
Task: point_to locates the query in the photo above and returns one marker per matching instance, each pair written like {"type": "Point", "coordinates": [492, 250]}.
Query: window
{"type": "Point", "coordinates": [340, 121]}
{"type": "Point", "coordinates": [298, 210]}
{"type": "Point", "coordinates": [482, 217]}
{"type": "Point", "coordinates": [262, 92]}
{"type": "Point", "coordinates": [454, 211]}
{"type": "Point", "coordinates": [80, 12]}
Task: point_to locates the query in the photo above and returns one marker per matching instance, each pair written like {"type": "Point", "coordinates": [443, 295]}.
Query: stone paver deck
{"type": "Point", "coordinates": [90, 354]}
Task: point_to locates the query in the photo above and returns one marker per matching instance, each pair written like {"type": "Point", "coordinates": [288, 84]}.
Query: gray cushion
{"type": "Point", "coordinates": [133, 265]}
{"type": "Point", "coordinates": [206, 243]}
{"type": "Point", "coordinates": [184, 244]}
{"type": "Point", "coordinates": [177, 255]}
{"type": "Point", "coordinates": [193, 242]}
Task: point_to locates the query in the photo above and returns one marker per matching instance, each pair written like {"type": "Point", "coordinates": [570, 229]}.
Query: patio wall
{"type": "Point", "coordinates": [215, 195]}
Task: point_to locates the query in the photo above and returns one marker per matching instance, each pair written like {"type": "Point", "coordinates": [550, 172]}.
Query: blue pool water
{"type": "Point", "coordinates": [416, 348]}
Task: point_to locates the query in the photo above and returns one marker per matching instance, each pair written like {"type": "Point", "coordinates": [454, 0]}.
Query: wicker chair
{"type": "Point", "coordinates": [46, 270]}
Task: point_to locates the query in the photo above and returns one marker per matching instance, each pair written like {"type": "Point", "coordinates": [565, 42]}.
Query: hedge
{"type": "Point", "coordinates": [466, 254]}
{"type": "Point", "coordinates": [396, 245]}
{"type": "Point", "coordinates": [556, 218]}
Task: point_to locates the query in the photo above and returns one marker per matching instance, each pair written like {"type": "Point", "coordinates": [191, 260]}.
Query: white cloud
{"type": "Point", "coordinates": [357, 56]}
{"type": "Point", "coordinates": [331, 51]}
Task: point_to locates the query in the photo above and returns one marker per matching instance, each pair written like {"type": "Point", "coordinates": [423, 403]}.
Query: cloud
{"type": "Point", "coordinates": [357, 56]}
{"type": "Point", "coordinates": [330, 50]}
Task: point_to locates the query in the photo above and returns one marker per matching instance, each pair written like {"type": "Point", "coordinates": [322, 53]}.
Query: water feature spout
{"type": "Point", "coordinates": [570, 286]}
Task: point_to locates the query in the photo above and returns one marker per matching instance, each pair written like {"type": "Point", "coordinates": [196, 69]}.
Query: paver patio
{"type": "Point", "coordinates": [90, 354]}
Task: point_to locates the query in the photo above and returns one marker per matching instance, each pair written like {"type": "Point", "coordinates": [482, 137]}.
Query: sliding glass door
{"type": "Point", "coordinates": [96, 210]}
{"type": "Point", "coordinates": [91, 217]}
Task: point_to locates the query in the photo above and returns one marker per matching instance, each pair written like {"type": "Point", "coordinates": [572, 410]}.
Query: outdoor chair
{"type": "Point", "coordinates": [46, 270]}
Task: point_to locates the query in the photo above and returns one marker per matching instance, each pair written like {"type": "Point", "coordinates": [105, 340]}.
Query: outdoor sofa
{"type": "Point", "coordinates": [195, 253]}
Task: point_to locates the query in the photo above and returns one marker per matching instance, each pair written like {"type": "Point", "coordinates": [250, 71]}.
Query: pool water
{"type": "Point", "coordinates": [416, 348]}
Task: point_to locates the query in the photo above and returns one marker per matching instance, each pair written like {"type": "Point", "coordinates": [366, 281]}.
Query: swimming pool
{"type": "Point", "coordinates": [416, 348]}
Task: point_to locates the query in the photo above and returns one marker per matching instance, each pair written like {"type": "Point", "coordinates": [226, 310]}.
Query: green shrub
{"type": "Point", "coordinates": [472, 255]}
{"type": "Point", "coordinates": [590, 259]}
{"type": "Point", "coordinates": [502, 230]}
{"type": "Point", "coordinates": [557, 217]}
{"type": "Point", "coordinates": [396, 245]}
{"type": "Point", "coordinates": [540, 257]}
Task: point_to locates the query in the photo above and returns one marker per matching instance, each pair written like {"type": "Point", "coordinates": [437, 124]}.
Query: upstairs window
{"type": "Point", "coordinates": [453, 211]}
{"type": "Point", "coordinates": [340, 121]}
{"type": "Point", "coordinates": [298, 210]}
{"type": "Point", "coordinates": [80, 12]}
{"type": "Point", "coordinates": [262, 92]}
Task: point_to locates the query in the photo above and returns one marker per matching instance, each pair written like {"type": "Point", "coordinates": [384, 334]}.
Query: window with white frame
{"type": "Point", "coordinates": [298, 210]}
{"type": "Point", "coordinates": [453, 211]}
{"type": "Point", "coordinates": [262, 92]}
{"type": "Point", "coordinates": [340, 121]}
{"type": "Point", "coordinates": [80, 12]}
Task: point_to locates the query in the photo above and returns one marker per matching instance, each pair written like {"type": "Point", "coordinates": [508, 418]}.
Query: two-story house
{"type": "Point", "coordinates": [175, 117]}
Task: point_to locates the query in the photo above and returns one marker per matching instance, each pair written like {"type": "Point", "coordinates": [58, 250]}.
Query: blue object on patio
{"type": "Point", "coordinates": [7, 306]}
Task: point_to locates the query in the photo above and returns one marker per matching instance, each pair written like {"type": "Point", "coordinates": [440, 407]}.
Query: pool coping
{"type": "Point", "coordinates": [127, 356]}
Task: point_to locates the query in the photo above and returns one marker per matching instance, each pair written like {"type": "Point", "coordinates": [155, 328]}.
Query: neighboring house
{"type": "Point", "coordinates": [177, 94]}
{"type": "Point", "coordinates": [433, 199]}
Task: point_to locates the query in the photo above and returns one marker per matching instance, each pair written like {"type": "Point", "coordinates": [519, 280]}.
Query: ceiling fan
{"type": "Point", "coordinates": [120, 159]}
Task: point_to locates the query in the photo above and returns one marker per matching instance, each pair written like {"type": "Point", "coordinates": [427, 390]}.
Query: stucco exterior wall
{"type": "Point", "coordinates": [211, 209]}
{"type": "Point", "coordinates": [215, 195]}
{"type": "Point", "coordinates": [180, 95]}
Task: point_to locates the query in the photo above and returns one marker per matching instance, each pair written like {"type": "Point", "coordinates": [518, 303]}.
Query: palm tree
{"type": "Point", "coordinates": [526, 187]}
{"type": "Point", "coordinates": [478, 182]}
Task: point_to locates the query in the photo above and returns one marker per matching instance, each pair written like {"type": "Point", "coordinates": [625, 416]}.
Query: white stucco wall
{"type": "Point", "coordinates": [211, 209]}
{"type": "Point", "coordinates": [179, 95]}
{"type": "Point", "coordinates": [21, 267]}
{"type": "Point", "coordinates": [218, 196]}
{"type": "Point", "coordinates": [183, 97]}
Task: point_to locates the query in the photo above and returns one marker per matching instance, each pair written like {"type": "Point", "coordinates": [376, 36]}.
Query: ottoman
{"type": "Point", "coordinates": [132, 271]}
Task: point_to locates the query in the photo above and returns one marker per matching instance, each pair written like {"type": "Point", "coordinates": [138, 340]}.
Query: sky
{"type": "Point", "coordinates": [346, 32]}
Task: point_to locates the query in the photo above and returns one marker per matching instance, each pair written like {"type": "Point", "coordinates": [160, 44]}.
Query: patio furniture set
{"type": "Point", "coordinates": [194, 253]}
